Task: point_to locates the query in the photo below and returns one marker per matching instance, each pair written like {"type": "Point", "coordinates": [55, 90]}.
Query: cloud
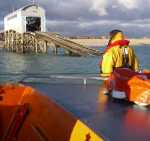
{"type": "Point", "coordinates": [99, 6]}
{"type": "Point", "coordinates": [89, 16]}
{"type": "Point", "coordinates": [129, 4]}
{"type": "Point", "coordinates": [1, 25]}
{"type": "Point", "coordinates": [100, 27]}
{"type": "Point", "coordinates": [143, 23]}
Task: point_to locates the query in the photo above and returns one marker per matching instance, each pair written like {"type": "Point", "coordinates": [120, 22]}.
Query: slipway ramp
{"type": "Point", "coordinates": [67, 44]}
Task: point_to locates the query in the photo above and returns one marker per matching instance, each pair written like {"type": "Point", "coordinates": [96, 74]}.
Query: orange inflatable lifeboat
{"type": "Point", "coordinates": [26, 115]}
{"type": "Point", "coordinates": [133, 86]}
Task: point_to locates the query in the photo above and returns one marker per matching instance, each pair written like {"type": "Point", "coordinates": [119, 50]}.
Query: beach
{"type": "Point", "coordinates": [103, 42]}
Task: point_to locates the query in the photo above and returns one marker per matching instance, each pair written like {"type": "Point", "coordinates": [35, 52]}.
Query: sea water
{"type": "Point", "coordinates": [84, 101]}
{"type": "Point", "coordinates": [42, 64]}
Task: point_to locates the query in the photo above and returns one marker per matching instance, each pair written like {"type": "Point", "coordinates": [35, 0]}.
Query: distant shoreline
{"type": "Point", "coordinates": [103, 42]}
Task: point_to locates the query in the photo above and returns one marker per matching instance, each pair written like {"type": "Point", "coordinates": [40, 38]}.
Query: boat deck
{"type": "Point", "coordinates": [114, 120]}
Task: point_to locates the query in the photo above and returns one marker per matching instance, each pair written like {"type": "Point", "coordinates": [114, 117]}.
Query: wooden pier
{"type": "Point", "coordinates": [39, 42]}
{"type": "Point", "coordinates": [67, 44]}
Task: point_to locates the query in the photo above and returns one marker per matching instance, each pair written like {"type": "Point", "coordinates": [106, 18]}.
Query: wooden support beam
{"type": "Point", "coordinates": [38, 43]}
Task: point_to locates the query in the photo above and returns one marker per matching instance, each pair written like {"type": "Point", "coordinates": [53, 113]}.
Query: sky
{"type": "Point", "coordinates": [90, 17]}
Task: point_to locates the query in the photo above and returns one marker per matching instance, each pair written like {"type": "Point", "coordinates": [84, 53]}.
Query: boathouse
{"type": "Point", "coordinates": [30, 18]}
{"type": "Point", "coordinates": [19, 37]}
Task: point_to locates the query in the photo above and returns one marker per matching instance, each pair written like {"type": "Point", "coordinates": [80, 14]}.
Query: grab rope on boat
{"type": "Point", "coordinates": [67, 76]}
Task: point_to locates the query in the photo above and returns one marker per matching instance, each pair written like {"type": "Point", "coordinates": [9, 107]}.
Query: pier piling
{"type": "Point", "coordinates": [39, 42]}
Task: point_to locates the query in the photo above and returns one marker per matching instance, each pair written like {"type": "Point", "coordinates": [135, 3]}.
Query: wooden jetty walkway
{"type": "Point", "coordinates": [67, 44]}
{"type": "Point", "coordinates": [39, 42]}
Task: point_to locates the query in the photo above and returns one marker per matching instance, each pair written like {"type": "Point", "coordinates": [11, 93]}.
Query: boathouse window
{"type": "Point", "coordinates": [33, 24]}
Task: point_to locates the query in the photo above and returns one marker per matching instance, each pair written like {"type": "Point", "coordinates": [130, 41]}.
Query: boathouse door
{"type": "Point", "coordinates": [33, 24]}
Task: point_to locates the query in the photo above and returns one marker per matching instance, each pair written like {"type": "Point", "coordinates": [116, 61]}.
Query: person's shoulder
{"type": "Point", "coordinates": [130, 47]}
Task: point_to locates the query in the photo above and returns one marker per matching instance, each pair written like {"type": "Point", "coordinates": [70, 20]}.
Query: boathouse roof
{"type": "Point", "coordinates": [24, 8]}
